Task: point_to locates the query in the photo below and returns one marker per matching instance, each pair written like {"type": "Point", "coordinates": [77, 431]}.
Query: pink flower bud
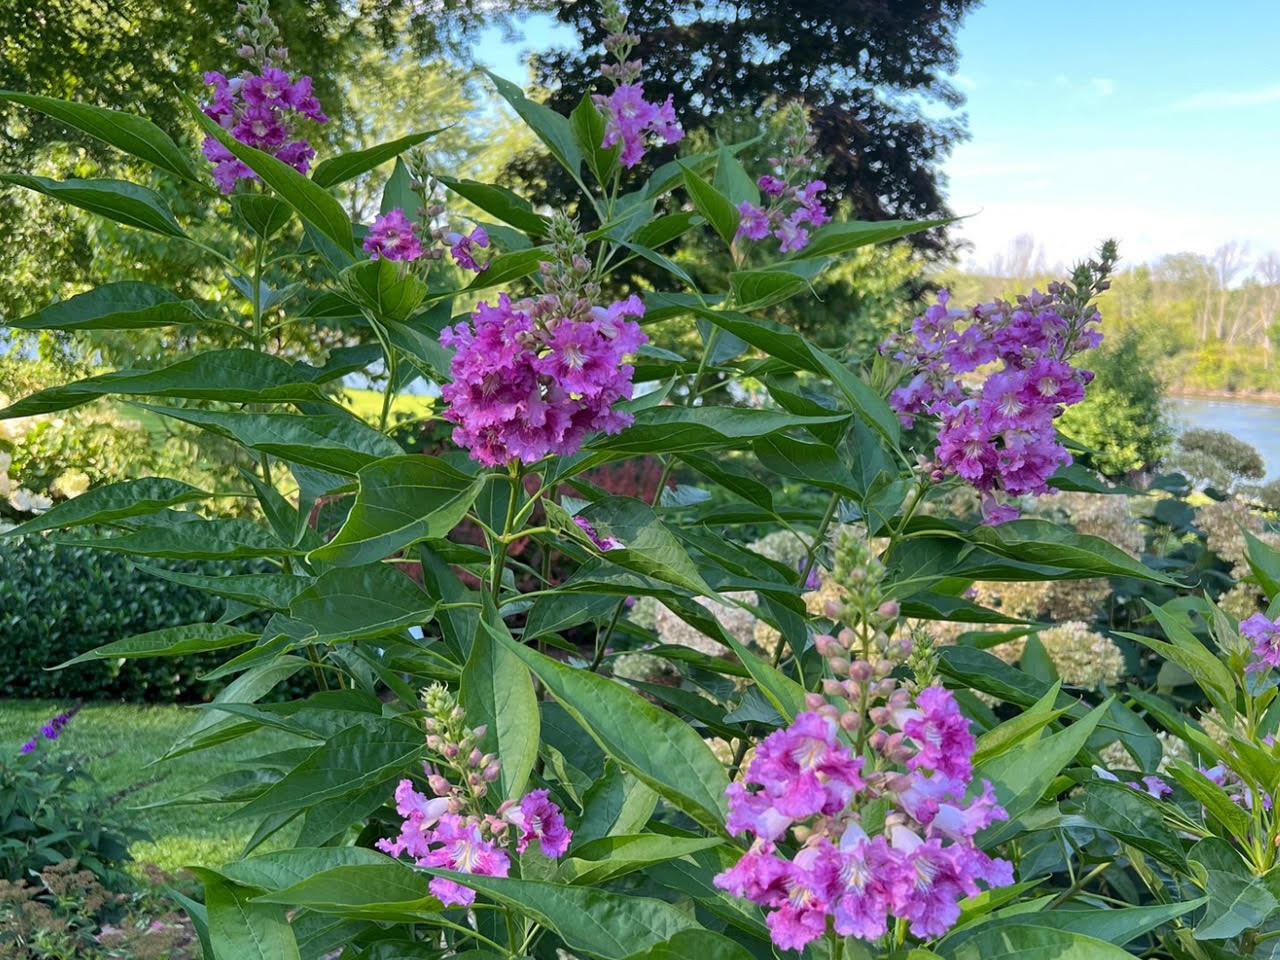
{"type": "Point", "coordinates": [889, 609]}
{"type": "Point", "coordinates": [813, 701]}
{"type": "Point", "coordinates": [474, 757]}
{"type": "Point", "coordinates": [439, 785]}
{"type": "Point", "coordinates": [450, 751]}
{"type": "Point", "coordinates": [850, 720]}
{"type": "Point", "coordinates": [492, 772]}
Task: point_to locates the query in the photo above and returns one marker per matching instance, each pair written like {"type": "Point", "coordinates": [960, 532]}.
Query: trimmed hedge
{"type": "Point", "coordinates": [57, 602]}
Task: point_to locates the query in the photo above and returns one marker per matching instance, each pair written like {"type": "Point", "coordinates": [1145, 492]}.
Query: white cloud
{"type": "Point", "coordinates": [1217, 99]}
{"type": "Point", "coordinates": [965, 82]}
{"type": "Point", "coordinates": [1102, 86]}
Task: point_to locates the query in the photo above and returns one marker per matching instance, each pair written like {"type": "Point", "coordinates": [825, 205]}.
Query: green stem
{"type": "Point", "coordinates": [810, 558]}
{"type": "Point", "coordinates": [602, 643]}
{"type": "Point", "coordinates": [498, 544]}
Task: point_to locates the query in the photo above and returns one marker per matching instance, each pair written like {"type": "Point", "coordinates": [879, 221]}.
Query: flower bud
{"type": "Point", "coordinates": [812, 701]}
{"type": "Point", "coordinates": [889, 609]}
{"type": "Point", "coordinates": [474, 757]}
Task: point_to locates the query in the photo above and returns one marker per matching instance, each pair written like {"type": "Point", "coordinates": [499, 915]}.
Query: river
{"type": "Point", "coordinates": [1254, 422]}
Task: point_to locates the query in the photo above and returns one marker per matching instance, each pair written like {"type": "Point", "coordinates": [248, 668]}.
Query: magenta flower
{"type": "Point", "coordinates": [941, 733]}
{"type": "Point", "coordinates": [462, 247]}
{"type": "Point", "coordinates": [538, 818]}
{"type": "Point", "coordinates": [392, 237]}
{"type": "Point", "coordinates": [523, 389]}
{"type": "Point", "coordinates": [753, 222]}
{"type": "Point", "coordinates": [461, 847]}
{"type": "Point", "coordinates": [771, 187]}
{"type": "Point", "coordinates": [628, 117]}
{"type": "Point", "coordinates": [1265, 636]}
{"type": "Point", "coordinates": [805, 770]}
{"type": "Point", "coordinates": [259, 110]}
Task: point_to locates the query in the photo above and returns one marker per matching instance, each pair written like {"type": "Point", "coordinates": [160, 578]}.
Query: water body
{"type": "Point", "coordinates": [1254, 422]}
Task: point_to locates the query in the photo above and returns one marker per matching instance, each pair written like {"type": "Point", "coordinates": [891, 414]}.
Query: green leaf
{"type": "Point", "coordinates": [1028, 942]}
{"type": "Point", "coordinates": [347, 166]}
{"type": "Point", "coordinates": [1132, 816]}
{"type": "Point", "coordinates": [732, 180]}
{"type": "Point", "coordinates": [1212, 797]}
{"type": "Point", "coordinates": [588, 126]}
{"type": "Point", "coordinates": [1048, 544]}
{"type": "Point", "coordinates": [656, 746]}
{"type": "Point", "coordinates": [550, 127]}
{"type": "Point", "coordinates": [714, 205]}
{"type": "Point", "coordinates": [381, 286]}
{"type": "Point", "coordinates": [616, 803]}
{"type": "Point", "coordinates": [265, 214]}
{"type": "Point", "coordinates": [401, 500]}
{"type": "Point", "coordinates": [703, 944]}
{"type": "Point", "coordinates": [191, 539]}
{"type": "Point", "coordinates": [399, 191]}
{"type": "Point", "coordinates": [1238, 899]}
{"type": "Point", "coordinates": [1021, 775]}
{"type": "Point", "coordinates": [230, 376]}
{"type": "Point", "coordinates": [127, 305]}
{"type": "Point", "coordinates": [834, 238]}
{"type": "Point", "coordinates": [284, 868]}
{"type": "Point", "coordinates": [389, 891]}
{"type": "Point", "coordinates": [497, 691]}
{"type": "Point", "coordinates": [648, 547]}
{"type": "Point", "coordinates": [507, 267]}
{"type": "Point", "coordinates": [1186, 650]}
{"type": "Point", "coordinates": [373, 752]}
{"type": "Point", "coordinates": [274, 591]}
{"type": "Point", "coordinates": [611, 926]}
{"type": "Point", "coordinates": [118, 200]}
{"type": "Point", "coordinates": [360, 603]}
{"type": "Point", "coordinates": [502, 203]}
{"type": "Point", "coordinates": [673, 429]}
{"type": "Point", "coordinates": [609, 857]}
{"type": "Point", "coordinates": [135, 135]}
{"type": "Point", "coordinates": [815, 463]}
{"type": "Point", "coordinates": [246, 688]}
{"type": "Point", "coordinates": [1017, 729]}
{"type": "Point", "coordinates": [240, 929]}
{"type": "Point", "coordinates": [115, 501]}
{"type": "Point", "coordinates": [310, 199]}
{"type": "Point", "coordinates": [337, 443]}
{"type": "Point", "coordinates": [763, 287]}
{"type": "Point", "coordinates": [1264, 561]}
{"type": "Point", "coordinates": [169, 642]}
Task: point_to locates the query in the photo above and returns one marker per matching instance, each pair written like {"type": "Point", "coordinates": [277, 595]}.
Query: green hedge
{"type": "Point", "coordinates": [58, 601]}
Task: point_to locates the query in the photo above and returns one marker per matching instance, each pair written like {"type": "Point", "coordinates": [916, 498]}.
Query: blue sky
{"type": "Point", "coordinates": [1155, 121]}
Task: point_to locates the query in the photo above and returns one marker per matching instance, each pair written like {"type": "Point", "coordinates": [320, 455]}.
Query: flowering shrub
{"type": "Point", "coordinates": [810, 771]}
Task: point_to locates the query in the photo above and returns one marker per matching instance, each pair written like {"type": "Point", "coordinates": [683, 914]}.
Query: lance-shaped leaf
{"type": "Point", "coordinates": [377, 751]}
{"type": "Point", "coordinates": [274, 591]}
{"type": "Point", "coordinates": [390, 891]}
{"type": "Point", "coordinates": [169, 642]}
{"type": "Point", "coordinates": [334, 170]}
{"type": "Point", "coordinates": [360, 603]}
{"type": "Point", "coordinates": [188, 537]}
{"type": "Point", "coordinates": [401, 500]}
{"type": "Point", "coordinates": [118, 200]}
{"type": "Point", "coordinates": [550, 127]}
{"type": "Point", "coordinates": [230, 376]}
{"type": "Point", "coordinates": [714, 205]}
{"type": "Point", "coordinates": [135, 135]}
{"type": "Point", "coordinates": [497, 691]}
{"type": "Point", "coordinates": [835, 238]}
{"type": "Point", "coordinates": [337, 443]}
{"type": "Point", "coordinates": [115, 501]}
{"type": "Point", "coordinates": [127, 305]}
{"type": "Point", "coordinates": [646, 545]}
{"type": "Point", "coordinates": [1238, 899]}
{"type": "Point", "coordinates": [611, 926]}
{"type": "Point", "coordinates": [242, 929]}
{"type": "Point", "coordinates": [311, 200]}
{"type": "Point", "coordinates": [508, 207]}
{"type": "Point", "coordinates": [655, 745]}
{"type": "Point", "coordinates": [609, 857]}
{"type": "Point", "coordinates": [1045, 543]}
{"type": "Point", "coordinates": [680, 429]}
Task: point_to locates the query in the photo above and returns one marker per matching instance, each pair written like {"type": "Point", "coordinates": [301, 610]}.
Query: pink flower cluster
{"type": "Point", "coordinates": [436, 834]}
{"type": "Point", "coordinates": [392, 237]}
{"type": "Point", "coordinates": [258, 109]}
{"type": "Point", "coordinates": [912, 858]}
{"type": "Point", "coordinates": [451, 830]}
{"type": "Point", "coordinates": [628, 117]}
{"type": "Point", "coordinates": [1265, 636]}
{"type": "Point", "coordinates": [996, 422]}
{"type": "Point", "coordinates": [463, 246]}
{"type": "Point", "coordinates": [788, 210]}
{"type": "Point", "coordinates": [529, 380]}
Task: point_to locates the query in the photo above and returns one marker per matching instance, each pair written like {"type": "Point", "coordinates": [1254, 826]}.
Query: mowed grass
{"type": "Point", "coordinates": [122, 741]}
{"type": "Point", "coordinates": [367, 405]}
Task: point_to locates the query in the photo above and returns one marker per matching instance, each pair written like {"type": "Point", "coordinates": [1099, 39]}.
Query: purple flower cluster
{"type": "Point", "coordinates": [531, 378]}
{"type": "Point", "coordinates": [451, 830]}
{"type": "Point", "coordinates": [50, 730]}
{"type": "Point", "coordinates": [1265, 636]}
{"type": "Point", "coordinates": [437, 832]}
{"type": "Point", "coordinates": [463, 247]}
{"type": "Point", "coordinates": [996, 376]}
{"type": "Point", "coordinates": [628, 117]}
{"type": "Point", "coordinates": [392, 237]}
{"type": "Point", "coordinates": [788, 214]}
{"type": "Point", "coordinates": [914, 856]}
{"type": "Point", "coordinates": [258, 109]}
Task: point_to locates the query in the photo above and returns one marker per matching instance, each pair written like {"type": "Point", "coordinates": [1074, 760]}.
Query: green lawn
{"type": "Point", "coordinates": [122, 740]}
